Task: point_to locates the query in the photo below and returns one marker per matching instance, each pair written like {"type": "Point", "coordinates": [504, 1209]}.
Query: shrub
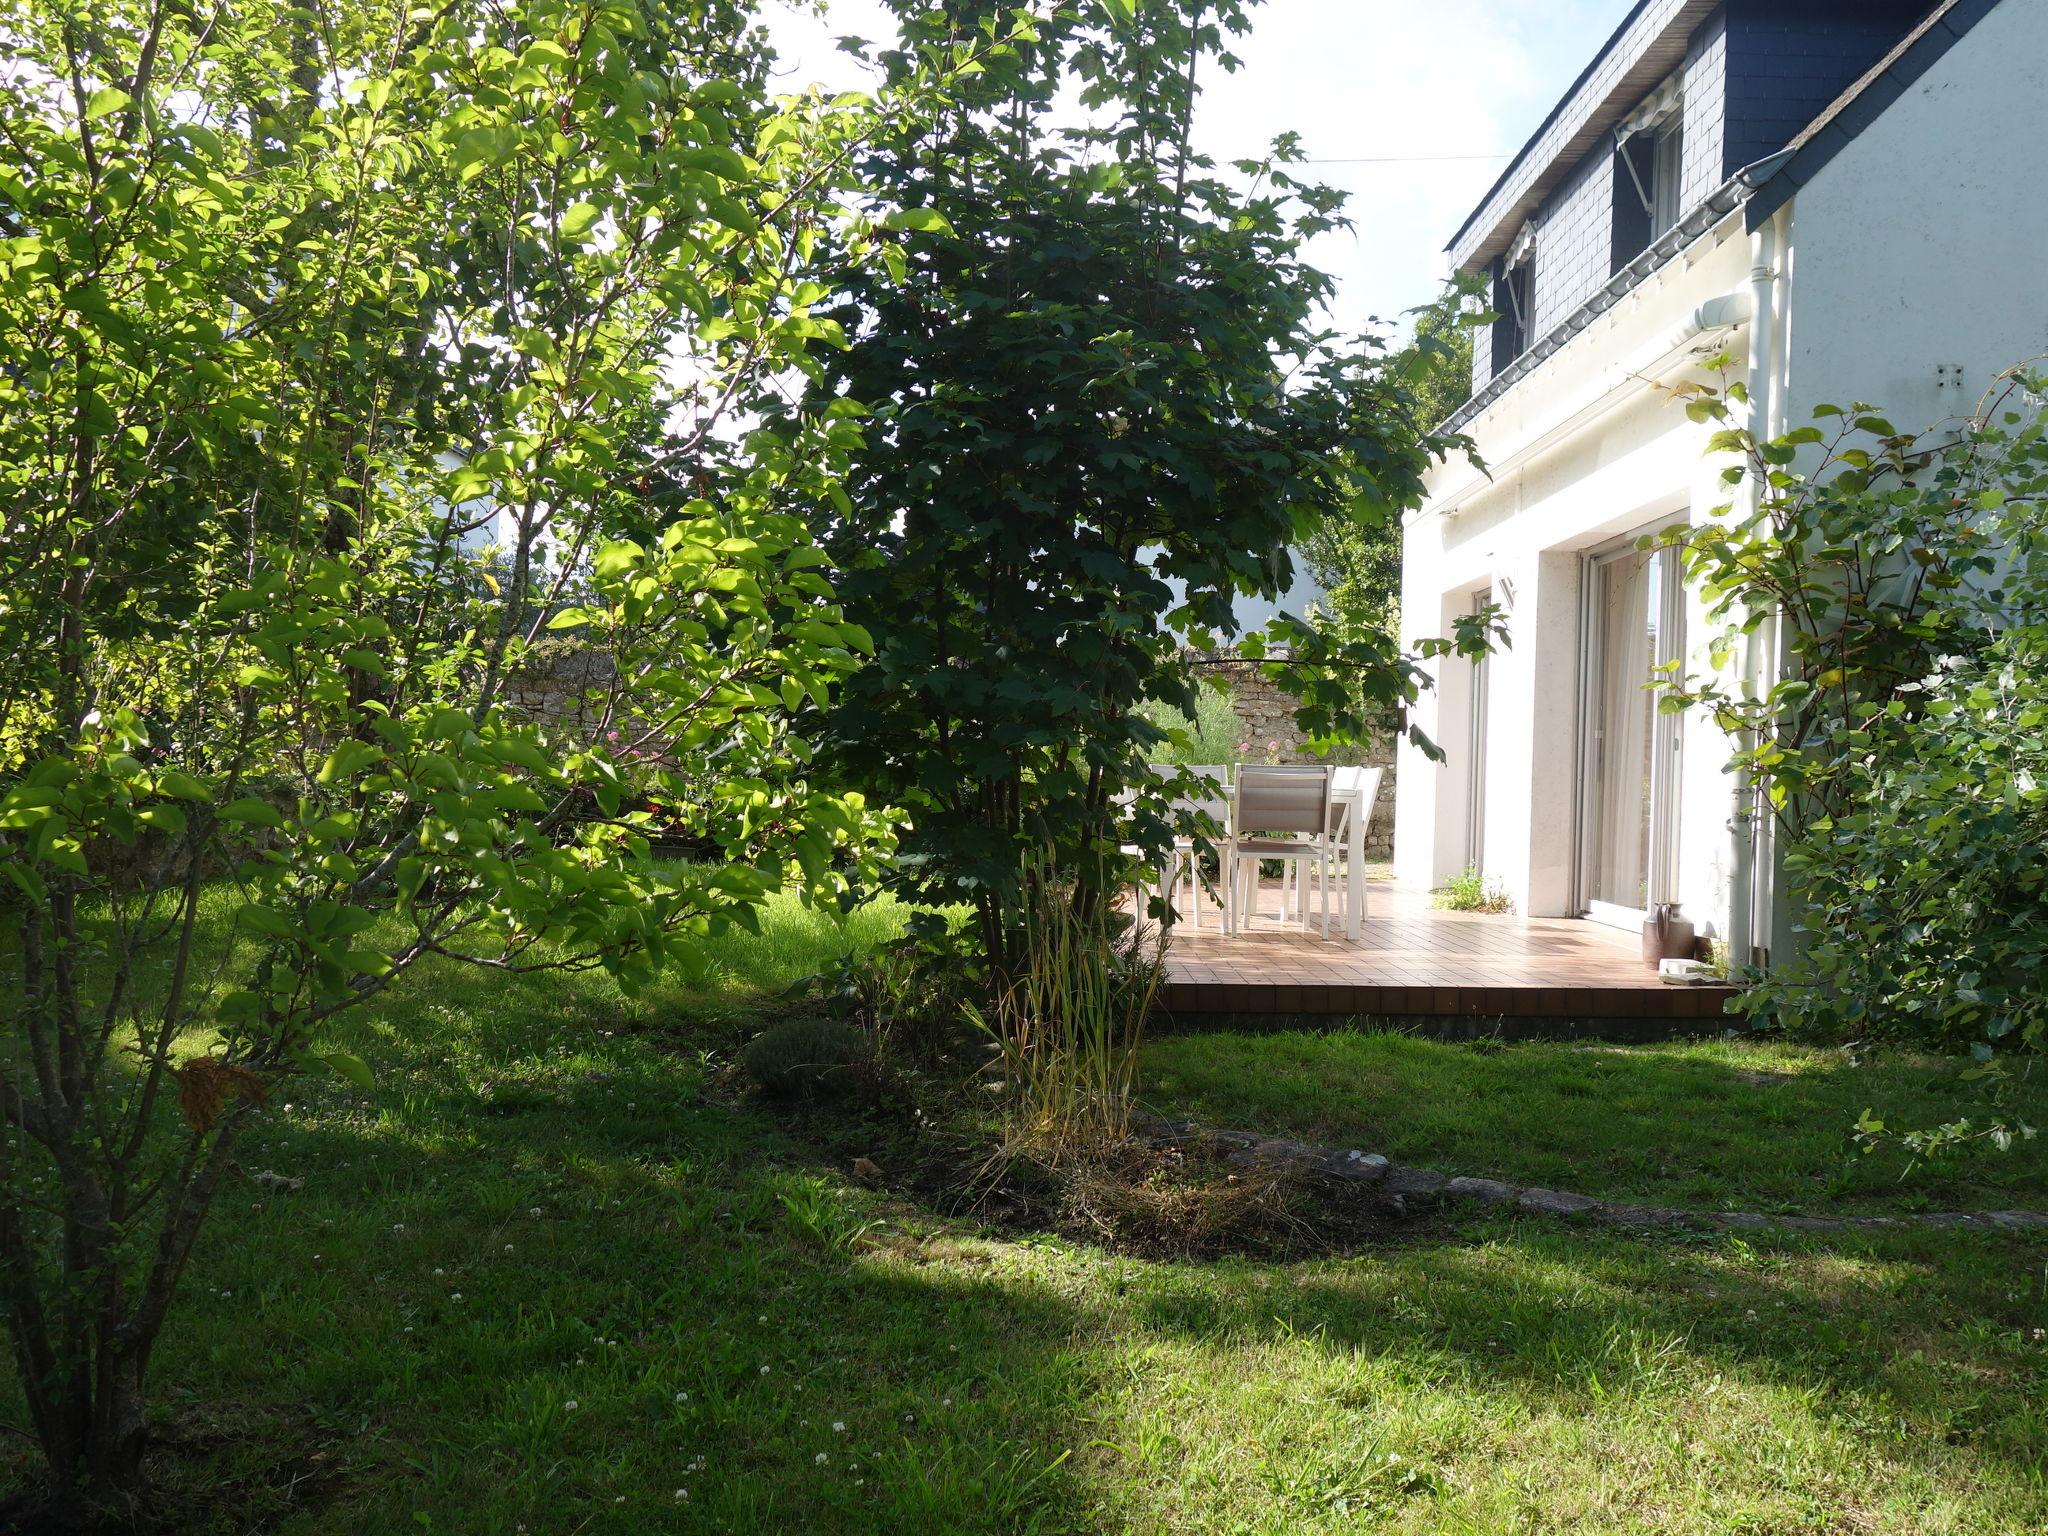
{"type": "Point", "coordinates": [1470, 891]}
{"type": "Point", "coordinates": [1925, 899]}
{"type": "Point", "coordinates": [1900, 749]}
{"type": "Point", "coordinates": [910, 993]}
{"type": "Point", "coordinates": [1074, 467]}
{"type": "Point", "coordinates": [1209, 735]}
{"type": "Point", "coordinates": [809, 1058]}
{"type": "Point", "coordinates": [295, 480]}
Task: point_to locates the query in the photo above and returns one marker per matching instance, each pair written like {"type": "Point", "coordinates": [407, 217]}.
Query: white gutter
{"type": "Point", "coordinates": [1652, 365]}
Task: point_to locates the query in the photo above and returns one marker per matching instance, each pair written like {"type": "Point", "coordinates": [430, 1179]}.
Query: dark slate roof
{"type": "Point", "coordinates": [1648, 45]}
{"type": "Point", "coordinates": [1862, 103]}
{"type": "Point", "coordinates": [1696, 225]}
{"type": "Point", "coordinates": [1760, 189]}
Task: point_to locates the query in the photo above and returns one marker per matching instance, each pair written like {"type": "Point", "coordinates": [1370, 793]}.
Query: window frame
{"type": "Point", "coordinates": [1649, 172]}
{"type": "Point", "coordinates": [1514, 293]}
{"type": "Point", "coordinates": [1667, 174]}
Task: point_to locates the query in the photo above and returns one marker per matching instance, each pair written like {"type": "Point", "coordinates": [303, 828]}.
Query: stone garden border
{"type": "Point", "coordinates": [1402, 1187]}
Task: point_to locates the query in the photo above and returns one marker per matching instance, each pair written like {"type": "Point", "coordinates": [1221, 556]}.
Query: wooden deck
{"type": "Point", "coordinates": [1413, 963]}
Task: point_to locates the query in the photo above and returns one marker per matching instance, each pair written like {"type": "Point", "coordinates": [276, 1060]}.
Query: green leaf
{"type": "Point", "coordinates": [106, 100]}
{"type": "Point", "coordinates": [165, 818]}
{"type": "Point", "coordinates": [181, 785]}
{"type": "Point", "coordinates": [268, 921]}
{"type": "Point", "coordinates": [721, 162]}
{"type": "Point", "coordinates": [577, 220]}
{"type": "Point", "coordinates": [342, 1064]}
{"type": "Point", "coordinates": [923, 220]}
{"type": "Point", "coordinates": [252, 812]}
{"type": "Point", "coordinates": [349, 759]}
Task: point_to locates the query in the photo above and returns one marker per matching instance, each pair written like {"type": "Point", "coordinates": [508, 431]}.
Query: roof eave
{"type": "Point", "coordinates": [1660, 52]}
{"type": "Point", "coordinates": [1704, 219]}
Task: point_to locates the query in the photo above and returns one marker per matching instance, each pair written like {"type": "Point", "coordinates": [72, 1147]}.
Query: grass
{"type": "Point", "coordinates": [1721, 1125]}
{"type": "Point", "coordinates": [794, 942]}
{"type": "Point", "coordinates": [549, 1276]}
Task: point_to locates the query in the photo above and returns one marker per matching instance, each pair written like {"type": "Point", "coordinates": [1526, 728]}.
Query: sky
{"type": "Point", "coordinates": [1385, 90]}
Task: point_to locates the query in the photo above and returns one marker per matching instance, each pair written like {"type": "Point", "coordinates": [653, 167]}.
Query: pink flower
{"type": "Point", "coordinates": [1272, 746]}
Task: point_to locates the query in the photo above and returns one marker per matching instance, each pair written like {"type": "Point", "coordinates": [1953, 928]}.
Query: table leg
{"type": "Point", "coordinates": [1354, 871]}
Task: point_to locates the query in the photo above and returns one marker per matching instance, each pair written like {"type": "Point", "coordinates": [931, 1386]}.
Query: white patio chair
{"type": "Point", "coordinates": [1186, 858]}
{"type": "Point", "coordinates": [1278, 813]}
{"type": "Point", "coordinates": [1353, 792]}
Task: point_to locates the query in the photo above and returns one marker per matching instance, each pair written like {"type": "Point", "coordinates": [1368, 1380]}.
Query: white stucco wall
{"type": "Point", "coordinates": [1921, 243]}
{"type": "Point", "coordinates": [1584, 451]}
{"type": "Point", "coordinates": [1925, 240]}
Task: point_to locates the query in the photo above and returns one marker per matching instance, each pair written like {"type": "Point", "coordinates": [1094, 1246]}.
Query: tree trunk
{"type": "Point", "coordinates": [93, 1438]}
{"type": "Point", "coordinates": [120, 1431]}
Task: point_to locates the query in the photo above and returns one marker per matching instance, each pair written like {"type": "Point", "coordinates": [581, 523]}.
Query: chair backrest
{"type": "Point", "coordinates": [1283, 800]}
{"type": "Point", "coordinates": [1363, 784]}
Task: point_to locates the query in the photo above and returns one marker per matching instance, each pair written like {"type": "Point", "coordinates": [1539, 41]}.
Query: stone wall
{"type": "Point", "coordinates": [555, 684]}
{"type": "Point", "coordinates": [1265, 713]}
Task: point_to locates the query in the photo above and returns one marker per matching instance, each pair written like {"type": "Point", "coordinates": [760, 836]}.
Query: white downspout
{"type": "Point", "coordinates": [1752, 891]}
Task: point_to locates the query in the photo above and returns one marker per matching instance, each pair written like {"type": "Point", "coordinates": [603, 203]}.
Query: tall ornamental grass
{"type": "Point", "coordinates": [1070, 1023]}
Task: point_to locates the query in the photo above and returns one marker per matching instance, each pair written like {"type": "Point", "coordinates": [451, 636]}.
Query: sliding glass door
{"type": "Point", "coordinates": [1630, 786]}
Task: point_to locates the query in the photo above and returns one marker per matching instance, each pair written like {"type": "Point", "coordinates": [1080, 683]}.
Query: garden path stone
{"type": "Point", "coordinates": [1490, 1190]}
{"type": "Point", "coordinates": [1397, 1184]}
{"type": "Point", "coordinates": [1415, 1183]}
{"type": "Point", "coordinates": [1556, 1202]}
{"type": "Point", "coordinates": [1622, 1214]}
{"type": "Point", "coordinates": [1231, 1139]}
{"type": "Point", "coordinates": [1740, 1221]}
{"type": "Point", "coordinates": [1354, 1167]}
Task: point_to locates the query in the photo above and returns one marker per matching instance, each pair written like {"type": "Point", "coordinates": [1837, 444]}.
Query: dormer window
{"type": "Point", "coordinates": [1514, 286]}
{"type": "Point", "coordinates": [1649, 171]}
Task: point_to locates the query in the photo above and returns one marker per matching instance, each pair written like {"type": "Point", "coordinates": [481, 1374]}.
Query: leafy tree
{"type": "Point", "coordinates": [1900, 740]}
{"type": "Point", "coordinates": [297, 307]}
{"type": "Point", "coordinates": [1103, 409]}
{"type": "Point", "coordinates": [1358, 562]}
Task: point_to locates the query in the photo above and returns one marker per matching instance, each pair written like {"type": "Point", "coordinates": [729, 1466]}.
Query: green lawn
{"type": "Point", "coordinates": [546, 1277]}
{"type": "Point", "coordinates": [1741, 1124]}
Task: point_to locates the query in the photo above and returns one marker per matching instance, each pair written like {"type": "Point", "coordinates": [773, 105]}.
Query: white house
{"type": "Point", "coordinates": [1848, 196]}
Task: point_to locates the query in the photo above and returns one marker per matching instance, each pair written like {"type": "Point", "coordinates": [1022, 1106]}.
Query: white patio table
{"type": "Point", "coordinates": [1354, 791]}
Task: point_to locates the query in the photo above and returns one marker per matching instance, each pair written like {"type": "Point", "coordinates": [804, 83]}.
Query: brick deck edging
{"type": "Point", "coordinates": [1402, 1186]}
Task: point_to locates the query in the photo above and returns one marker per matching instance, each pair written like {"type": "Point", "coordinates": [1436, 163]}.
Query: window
{"type": "Point", "coordinates": [1668, 165]}
{"type": "Point", "coordinates": [1649, 172]}
{"type": "Point", "coordinates": [1514, 286]}
{"type": "Point", "coordinates": [1630, 750]}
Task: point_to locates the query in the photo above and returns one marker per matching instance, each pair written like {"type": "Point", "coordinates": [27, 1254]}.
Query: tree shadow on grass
{"type": "Point", "coordinates": [562, 1313]}
{"type": "Point", "coordinates": [541, 1278]}
{"type": "Point", "coordinates": [589, 1299]}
